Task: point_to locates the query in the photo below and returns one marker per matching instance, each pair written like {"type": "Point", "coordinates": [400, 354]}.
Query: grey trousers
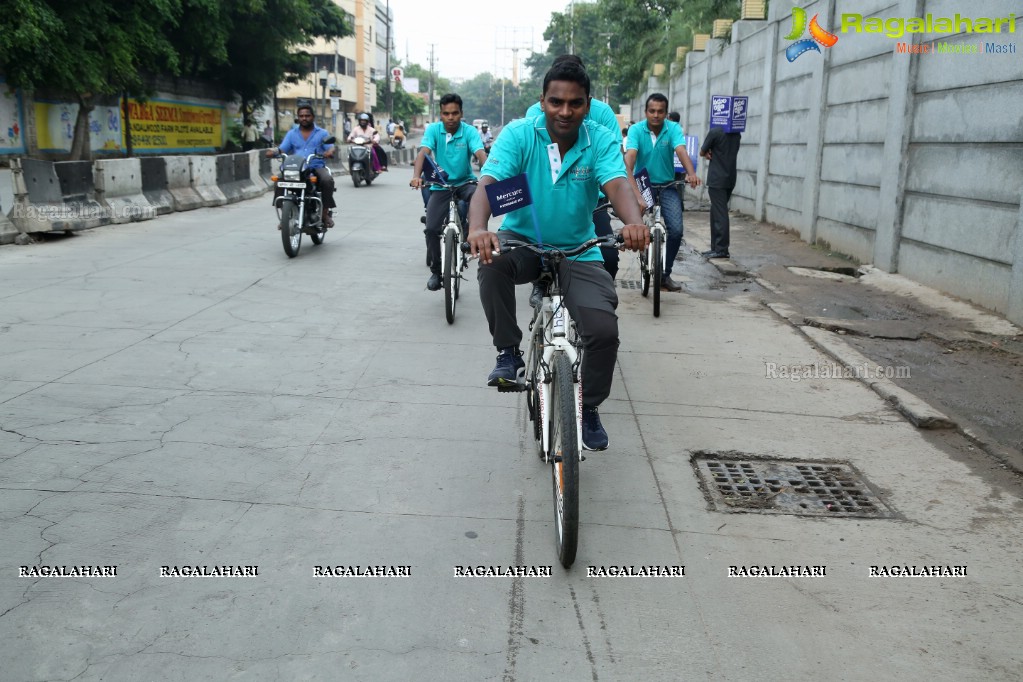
{"type": "Point", "coordinates": [588, 293]}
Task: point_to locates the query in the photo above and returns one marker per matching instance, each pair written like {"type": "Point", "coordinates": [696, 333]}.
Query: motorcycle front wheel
{"type": "Point", "coordinates": [291, 231]}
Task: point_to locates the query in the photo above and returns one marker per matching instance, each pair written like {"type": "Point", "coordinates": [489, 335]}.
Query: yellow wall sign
{"type": "Point", "coordinates": [160, 125]}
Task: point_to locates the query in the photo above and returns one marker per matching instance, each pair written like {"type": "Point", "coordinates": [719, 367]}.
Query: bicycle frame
{"type": "Point", "coordinates": [653, 220]}
{"type": "Point", "coordinates": [453, 225]}
{"type": "Point", "coordinates": [553, 328]}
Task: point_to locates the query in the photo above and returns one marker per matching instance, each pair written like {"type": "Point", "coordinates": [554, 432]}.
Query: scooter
{"type": "Point", "coordinates": [360, 161]}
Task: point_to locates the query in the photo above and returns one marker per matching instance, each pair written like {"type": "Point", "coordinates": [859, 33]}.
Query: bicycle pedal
{"type": "Point", "coordinates": [511, 388]}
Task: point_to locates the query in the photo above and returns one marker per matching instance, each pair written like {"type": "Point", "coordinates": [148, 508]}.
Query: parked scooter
{"type": "Point", "coordinates": [360, 161]}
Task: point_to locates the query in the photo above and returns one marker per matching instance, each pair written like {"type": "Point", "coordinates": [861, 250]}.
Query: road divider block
{"type": "Point", "coordinates": [119, 189]}
{"type": "Point", "coordinates": [55, 196]}
{"type": "Point", "coordinates": [179, 183]}
{"type": "Point", "coordinates": [155, 185]}
{"type": "Point", "coordinates": [204, 180]}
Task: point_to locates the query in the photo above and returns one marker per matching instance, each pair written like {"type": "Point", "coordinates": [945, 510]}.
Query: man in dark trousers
{"type": "Point", "coordinates": [721, 149]}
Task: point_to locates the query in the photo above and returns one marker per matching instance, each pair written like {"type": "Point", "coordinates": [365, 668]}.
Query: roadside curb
{"type": "Point", "coordinates": [919, 413]}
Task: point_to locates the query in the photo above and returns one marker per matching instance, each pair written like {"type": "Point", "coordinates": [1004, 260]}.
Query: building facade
{"type": "Point", "coordinates": [343, 70]}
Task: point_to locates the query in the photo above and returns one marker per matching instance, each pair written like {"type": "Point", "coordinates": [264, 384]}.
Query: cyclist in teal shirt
{"type": "Point", "coordinates": [602, 114]}
{"type": "Point", "coordinates": [566, 160]}
{"type": "Point", "coordinates": [453, 143]}
{"type": "Point", "coordinates": [654, 144]}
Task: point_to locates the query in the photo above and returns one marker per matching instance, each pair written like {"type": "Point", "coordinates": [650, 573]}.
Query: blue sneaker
{"type": "Point", "coordinates": [509, 368]}
{"type": "Point", "coordinates": [594, 435]}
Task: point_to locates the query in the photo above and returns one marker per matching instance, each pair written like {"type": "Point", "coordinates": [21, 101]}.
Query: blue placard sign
{"type": "Point", "coordinates": [509, 195]}
{"type": "Point", "coordinates": [643, 182]}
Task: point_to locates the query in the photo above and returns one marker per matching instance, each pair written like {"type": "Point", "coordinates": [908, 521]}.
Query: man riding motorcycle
{"type": "Point", "coordinates": [308, 138]}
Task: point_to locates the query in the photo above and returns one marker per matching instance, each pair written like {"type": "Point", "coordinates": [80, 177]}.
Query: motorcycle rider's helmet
{"type": "Point", "coordinates": [363, 117]}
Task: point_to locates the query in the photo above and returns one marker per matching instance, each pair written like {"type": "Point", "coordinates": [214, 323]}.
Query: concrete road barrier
{"type": "Point", "coordinates": [179, 183]}
{"type": "Point", "coordinates": [244, 181]}
{"type": "Point", "coordinates": [155, 185]}
{"type": "Point", "coordinates": [55, 197]}
{"type": "Point", "coordinates": [204, 180]}
{"type": "Point", "coordinates": [8, 232]}
{"type": "Point", "coordinates": [231, 188]}
{"type": "Point", "coordinates": [256, 158]}
{"type": "Point", "coordinates": [119, 189]}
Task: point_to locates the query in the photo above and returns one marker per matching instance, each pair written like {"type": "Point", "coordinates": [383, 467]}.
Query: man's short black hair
{"type": "Point", "coordinates": [656, 97]}
{"type": "Point", "coordinates": [449, 98]}
{"type": "Point", "coordinates": [675, 116]}
{"type": "Point", "coordinates": [570, 58]}
{"type": "Point", "coordinates": [305, 106]}
{"type": "Point", "coordinates": [567, 70]}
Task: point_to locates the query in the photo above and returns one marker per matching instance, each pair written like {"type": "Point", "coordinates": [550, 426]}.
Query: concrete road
{"type": "Point", "coordinates": [178, 393]}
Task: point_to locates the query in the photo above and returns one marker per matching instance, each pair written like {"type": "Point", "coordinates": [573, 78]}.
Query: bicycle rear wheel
{"type": "Point", "coordinates": [449, 275]}
{"type": "Point", "coordinates": [656, 268]}
{"type": "Point", "coordinates": [565, 460]}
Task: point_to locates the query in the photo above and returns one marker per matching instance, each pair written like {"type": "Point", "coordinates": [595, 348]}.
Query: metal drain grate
{"type": "Point", "coordinates": [628, 284]}
{"type": "Point", "coordinates": [737, 483]}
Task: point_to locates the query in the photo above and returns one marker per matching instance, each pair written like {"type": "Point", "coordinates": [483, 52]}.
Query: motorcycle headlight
{"type": "Point", "coordinates": [291, 175]}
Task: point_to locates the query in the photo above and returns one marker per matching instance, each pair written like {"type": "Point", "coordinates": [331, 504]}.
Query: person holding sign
{"type": "Point", "coordinates": [654, 144]}
{"type": "Point", "coordinates": [453, 143]}
{"type": "Point", "coordinates": [561, 161]}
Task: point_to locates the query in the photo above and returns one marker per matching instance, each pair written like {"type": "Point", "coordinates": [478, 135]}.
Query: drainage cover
{"type": "Point", "coordinates": [628, 284]}
{"type": "Point", "coordinates": [741, 483]}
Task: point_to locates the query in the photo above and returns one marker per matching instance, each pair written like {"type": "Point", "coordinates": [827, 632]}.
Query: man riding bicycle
{"type": "Point", "coordinates": [567, 160]}
{"type": "Point", "coordinates": [453, 143]}
{"type": "Point", "coordinates": [653, 144]}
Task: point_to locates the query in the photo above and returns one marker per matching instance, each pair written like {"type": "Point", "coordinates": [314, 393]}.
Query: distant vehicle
{"type": "Point", "coordinates": [478, 123]}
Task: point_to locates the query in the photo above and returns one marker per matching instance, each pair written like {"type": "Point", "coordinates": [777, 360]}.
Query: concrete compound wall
{"type": "Point", "coordinates": [911, 162]}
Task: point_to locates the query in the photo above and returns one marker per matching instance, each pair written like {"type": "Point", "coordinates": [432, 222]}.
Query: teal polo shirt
{"type": "Point", "coordinates": [563, 195]}
{"type": "Point", "coordinates": [659, 158]}
{"type": "Point", "coordinates": [600, 112]}
{"type": "Point", "coordinates": [454, 154]}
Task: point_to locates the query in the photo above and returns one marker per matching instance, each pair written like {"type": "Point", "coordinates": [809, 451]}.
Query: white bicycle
{"type": "Point", "coordinates": [553, 388]}
{"type": "Point", "coordinates": [453, 262]}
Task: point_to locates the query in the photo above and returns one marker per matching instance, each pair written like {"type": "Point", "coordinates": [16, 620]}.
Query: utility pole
{"type": "Point", "coordinates": [607, 63]}
{"type": "Point", "coordinates": [387, 62]}
{"type": "Point", "coordinates": [430, 103]}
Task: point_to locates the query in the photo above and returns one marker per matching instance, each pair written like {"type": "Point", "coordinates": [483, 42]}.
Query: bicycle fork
{"type": "Point", "coordinates": [451, 226]}
{"type": "Point", "coordinates": [556, 342]}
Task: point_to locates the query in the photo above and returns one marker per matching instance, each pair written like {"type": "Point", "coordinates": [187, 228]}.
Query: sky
{"type": "Point", "coordinates": [467, 35]}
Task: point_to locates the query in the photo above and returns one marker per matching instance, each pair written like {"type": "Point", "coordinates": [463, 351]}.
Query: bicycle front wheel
{"type": "Point", "coordinates": [565, 460]}
{"type": "Point", "coordinates": [449, 274]}
{"type": "Point", "coordinates": [656, 267]}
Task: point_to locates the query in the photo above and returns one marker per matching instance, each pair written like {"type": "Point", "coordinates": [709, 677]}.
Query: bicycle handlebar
{"type": "Point", "coordinates": [442, 185]}
{"type": "Point", "coordinates": [512, 244]}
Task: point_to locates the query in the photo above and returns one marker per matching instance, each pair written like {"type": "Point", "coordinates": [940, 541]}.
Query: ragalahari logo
{"type": "Point", "coordinates": [818, 35]}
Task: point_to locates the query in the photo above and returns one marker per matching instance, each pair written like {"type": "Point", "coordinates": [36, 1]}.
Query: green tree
{"type": "Point", "coordinates": [404, 106]}
{"type": "Point", "coordinates": [114, 47]}
{"type": "Point", "coordinates": [87, 49]}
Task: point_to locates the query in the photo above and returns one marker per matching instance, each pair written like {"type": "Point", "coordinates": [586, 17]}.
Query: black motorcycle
{"type": "Point", "coordinates": [360, 161]}
{"type": "Point", "coordinates": [299, 202]}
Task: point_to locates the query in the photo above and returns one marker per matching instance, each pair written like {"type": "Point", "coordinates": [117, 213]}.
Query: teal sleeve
{"type": "Point", "coordinates": [609, 161]}
{"type": "Point", "coordinates": [475, 141]}
{"type": "Point", "coordinates": [608, 119]}
{"type": "Point", "coordinates": [505, 158]}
